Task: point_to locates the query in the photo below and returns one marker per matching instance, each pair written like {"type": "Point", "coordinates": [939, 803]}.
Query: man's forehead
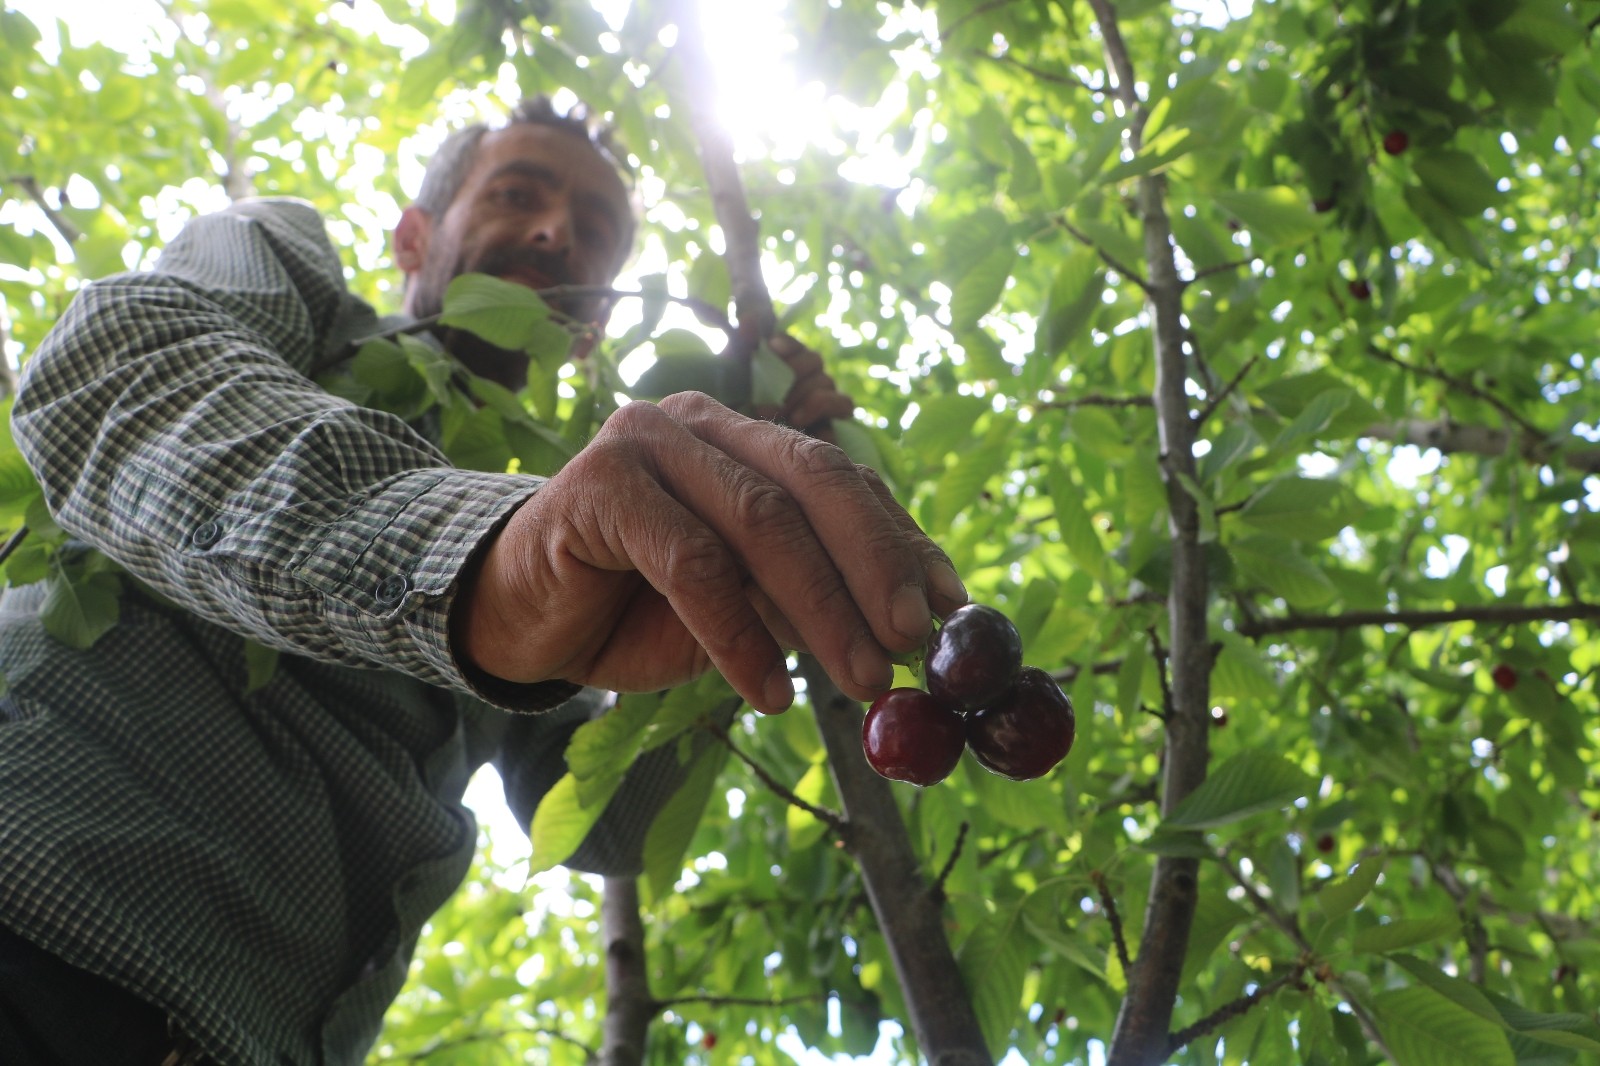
{"type": "Point", "coordinates": [565, 154]}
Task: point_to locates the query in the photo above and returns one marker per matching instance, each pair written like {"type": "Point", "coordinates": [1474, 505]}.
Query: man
{"type": "Point", "coordinates": [191, 867]}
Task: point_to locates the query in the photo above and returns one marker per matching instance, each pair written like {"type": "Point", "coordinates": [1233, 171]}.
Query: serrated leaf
{"type": "Point", "coordinates": [994, 963]}
{"type": "Point", "coordinates": [674, 827]}
{"type": "Point", "coordinates": [1423, 1028]}
{"type": "Point", "coordinates": [1240, 673]}
{"type": "Point", "coordinates": [1075, 523]}
{"type": "Point", "coordinates": [1250, 782]}
{"type": "Point", "coordinates": [1405, 933]}
{"type": "Point", "coordinates": [1567, 1030]}
{"type": "Point", "coordinates": [1282, 570]}
{"type": "Point", "coordinates": [501, 312]}
{"type": "Point", "coordinates": [1074, 298]}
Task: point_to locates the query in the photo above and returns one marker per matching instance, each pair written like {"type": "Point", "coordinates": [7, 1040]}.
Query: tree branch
{"type": "Point", "coordinates": [832, 819]}
{"type": "Point", "coordinates": [1229, 1011]}
{"type": "Point", "coordinates": [1227, 390]}
{"type": "Point", "coordinates": [1109, 903]}
{"type": "Point", "coordinates": [62, 225]}
{"type": "Point", "coordinates": [629, 1005]}
{"type": "Point", "coordinates": [1501, 614]}
{"type": "Point", "coordinates": [1452, 438]}
{"type": "Point", "coordinates": [950, 863]}
{"type": "Point", "coordinates": [1110, 260]}
{"type": "Point", "coordinates": [1141, 1033]}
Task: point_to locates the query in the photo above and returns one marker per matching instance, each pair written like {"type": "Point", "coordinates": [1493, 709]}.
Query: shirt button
{"type": "Point", "coordinates": [206, 535]}
{"type": "Point", "coordinates": [392, 589]}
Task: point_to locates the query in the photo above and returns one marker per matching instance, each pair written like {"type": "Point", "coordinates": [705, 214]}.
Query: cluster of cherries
{"type": "Point", "coordinates": [1015, 719]}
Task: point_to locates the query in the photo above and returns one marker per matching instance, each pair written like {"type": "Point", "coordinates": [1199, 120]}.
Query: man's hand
{"type": "Point", "coordinates": [686, 536]}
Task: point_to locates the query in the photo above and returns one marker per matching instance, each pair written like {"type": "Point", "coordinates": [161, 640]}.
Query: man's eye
{"type": "Point", "coordinates": [515, 197]}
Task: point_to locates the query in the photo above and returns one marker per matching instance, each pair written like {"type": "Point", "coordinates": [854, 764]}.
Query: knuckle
{"type": "Point", "coordinates": [818, 458]}
{"type": "Point", "coordinates": [689, 406]}
{"type": "Point", "coordinates": [633, 418]}
{"type": "Point", "coordinates": [762, 504]}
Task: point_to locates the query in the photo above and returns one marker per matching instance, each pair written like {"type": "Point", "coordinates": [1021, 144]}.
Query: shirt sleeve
{"type": "Point", "coordinates": [172, 422]}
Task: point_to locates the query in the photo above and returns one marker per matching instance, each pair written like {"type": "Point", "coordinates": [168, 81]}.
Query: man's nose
{"type": "Point", "coordinates": [551, 230]}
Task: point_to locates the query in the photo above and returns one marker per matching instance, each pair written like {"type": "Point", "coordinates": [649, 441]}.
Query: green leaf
{"type": "Point", "coordinates": [560, 823]}
{"type": "Point", "coordinates": [770, 377]}
{"type": "Point", "coordinates": [978, 289]}
{"type": "Point", "coordinates": [1459, 180]}
{"type": "Point", "coordinates": [1339, 898]}
{"type": "Point", "coordinates": [1423, 1028]}
{"type": "Point", "coordinates": [804, 828]}
{"type": "Point", "coordinates": [1462, 992]}
{"type": "Point", "coordinates": [1568, 1030]}
{"type": "Point", "coordinates": [501, 312]}
{"type": "Point", "coordinates": [1075, 523]}
{"type": "Point", "coordinates": [674, 827]}
{"type": "Point", "coordinates": [994, 963]}
{"type": "Point", "coordinates": [1250, 782]}
{"type": "Point", "coordinates": [709, 282]}
{"type": "Point", "coordinates": [1074, 298]}
{"type": "Point", "coordinates": [80, 607]}
{"type": "Point", "coordinates": [1443, 224]}
{"type": "Point", "coordinates": [1275, 216]}
{"type": "Point", "coordinates": [1277, 566]}
{"type": "Point", "coordinates": [1405, 933]}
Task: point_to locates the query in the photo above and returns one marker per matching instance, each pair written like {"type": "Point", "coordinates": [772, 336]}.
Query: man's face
{"type": "Point", "coordinates": [540, 207]}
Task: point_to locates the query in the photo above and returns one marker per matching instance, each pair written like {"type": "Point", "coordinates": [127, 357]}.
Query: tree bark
{"type": "Point", "coordinates": [629, 1005]}
{"type": "Point", "coordinates": [910, 915]}
{"type": "Point", "coordinates": [1141, 1034]}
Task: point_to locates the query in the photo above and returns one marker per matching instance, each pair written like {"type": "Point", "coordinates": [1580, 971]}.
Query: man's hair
{"type": "Point", "coordinates": [448, 168]}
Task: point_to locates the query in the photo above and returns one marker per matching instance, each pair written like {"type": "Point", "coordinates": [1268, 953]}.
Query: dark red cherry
{"type": "Point", "coordinates": [1505, 677]}
{"type": "Point", "coordinates": [1027, 731]}
{"type": "Point", "coordinates": [974, 657]}
{"type": "Point", "coordinates": [1395, 142]}
{"type": "Point", "coordinates": [910, 735]}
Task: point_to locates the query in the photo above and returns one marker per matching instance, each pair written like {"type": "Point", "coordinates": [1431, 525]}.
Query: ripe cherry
{"type": "Point", "coordinates": [974, 657]}
{"type": "Point", "coordinates": [708, 1041]}
{"type": "Point", "coordinates": [1326, 843]}
{"type": "Point", "coordinates": [1360, 289]}
{"type": "Point", "coordinates": [1027, 731]}
{"type": "Point", "coordinates": [1396, 141]}
{"type": "Point", "coordinates": [1322, 206]}
{"type": "Point", "coordinates": [911, 735]}
{"type": "Point", "coordinates": [1504, 677]}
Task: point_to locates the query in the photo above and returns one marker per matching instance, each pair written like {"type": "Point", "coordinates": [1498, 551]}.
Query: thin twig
{"type": "Point", "coordinates": [1229, 1011]}
{"type": "Point", "coordinates": [981, 9]}
{"type": "Point", "coordinates": [30, 185]}
{"type": "Point", "coordinates": [1094, 400]}
{"type": "Point", "coordinates": [1460, 385]}
{"type": "Point", "coordinates": [1161, 672]}
{"type": "Point", "coordinates": [1110, 905]}
{"type": "Point", "coordinates": [590, 1054]}
{"type": "Point", "coordinates": [1227, 390]}
{"type": "Point", "coordinates": [12, 543]}
{"type": "Point", "coordinates": [1218, 268]}
{"type": "Point", "coordinates": [1287, 924]}
{"type": "Point", "coordinates": [1489, 613]}
{"type": "Point", "coordinates": [950, 864]}
{"type": "Point", "coordinates": [1110, 260]}
{"type": "Point", "coordinates": [739, 1001]}
{"type": "Point", "coordinates": [832, 819]}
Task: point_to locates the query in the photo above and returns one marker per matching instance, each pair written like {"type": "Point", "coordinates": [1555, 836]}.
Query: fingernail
{"type": "Point", "coordinates": [909, 613]}
{"type": "Point", "coordinates": [870, 667]}
{"type": "Point", "coordinates": [779, 690]}
{"type": "Point", "coordinates": [942, 579]}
